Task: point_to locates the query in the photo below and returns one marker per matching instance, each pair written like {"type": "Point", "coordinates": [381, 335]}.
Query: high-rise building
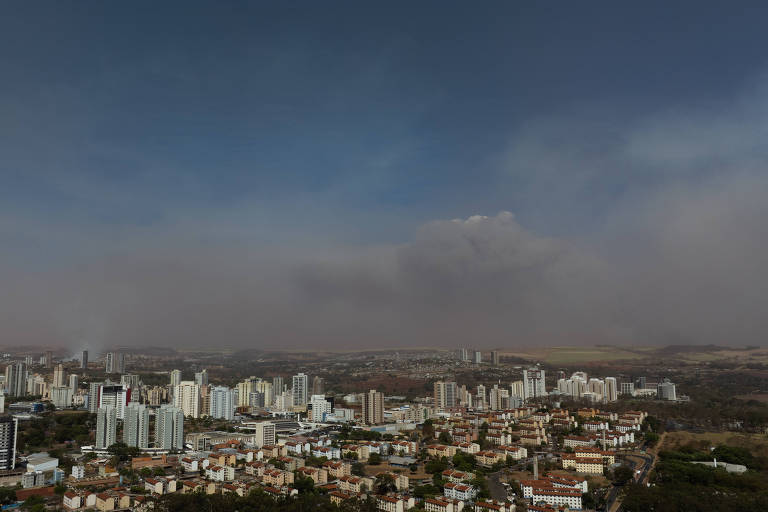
{"type": "Point", "coordinates": [278, 385]}
{"type": "Point", "coordinates": [115, 362]}
{"type": "Point", "coordinates": [61, 396]}
{"type": "Point", "coordinates": [373, 407]}
{"type": "Point", "coordinates": [186, 396]}
{"type": "Point", "coordinates": [533, 384]}
{"type": "Point", "coordinates": [611, 389]}
{"type": "Point", "coordinates": [627, 388]}
{"type": "Point", "coordinates": [58, 376]}
{"type": "Point", "coordinates": [265, 388]}
{"type": "Point", "coordinates": [597, 388]}
{"type": "Point", "coordinates": [498, 399]}
{"type": "Point", "coordinates": [516, 389]}
{"type": "Point", "coordinates": [49, 359]}
{"type": "Point", "coordinates": [84, 360]}
{"type": "Point", "coordinates": [136, 425]}
{"type": "Point", "coordinates": [37, 385]}
{"type": "Point", "coordinates": [74, 383]}
{"type": "Point", "coordinates": [175, 378]}
{"type": "Point", "coordinates": [201, 378]}
{"type": "Point", "coordinates": [264, 434]}
{"type": "Point", "coordinates": [576, 386]}
{"type": "Point", "coordinates": [244, 390]}
{"type": "Point", "coordinates": [665, 390]}
{"type": "Point", "coordinates": [94, 389]}
{"type": "Point", "coordinates": [106, 427]}
{"type": "Point", "coordinates": [320, 408]}
{"type": "Point", "coordinates": [300, 390]}
{"type": "Point", "coordinates": [640, 383]}
{"type": "Point", "coordinates": [256, 400]}
{"type": "Point", "coordinates": [9, 429]}
{"type": "Point", "coordinates": [481, 400]}
{"type": "Point", "coordinates": [464, 354]}
{"type": "Point", "coordinates": [205, 400]}
{"type": "Point", "coordinates": [16, 379]}
{"type": "Point", "coordinates": [495, 360]}
{"type": "Point", "coordinates": [169, 428]}
{"type": "Point", "coordinates": [465, 397]}
{"type": "Point", "coordinates": [446, 394]}
{"type": "Point", "coordinates": [114, 395]}
{"type": "Point", "coordinates": [157, 395]}
{"type": "Point", "coordinates": [222, 403]}
{"type": "Point", "coordinates": [131, 380]}
{"type": "Point", "coordinates": [318, 386]}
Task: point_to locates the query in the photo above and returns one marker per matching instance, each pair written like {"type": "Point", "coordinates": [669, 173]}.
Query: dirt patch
{"type": "Point", "coordinates": [384, 468]}
{"type": "Point", "coordinates": [756, 443]}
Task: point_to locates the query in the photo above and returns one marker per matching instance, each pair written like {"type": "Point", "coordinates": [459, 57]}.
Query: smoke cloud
{"type": "Point", "coordinates": [676, 255]}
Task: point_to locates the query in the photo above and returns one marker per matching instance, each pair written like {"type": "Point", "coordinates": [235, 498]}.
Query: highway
{"type": "Point", "coordinates": [613, 503]}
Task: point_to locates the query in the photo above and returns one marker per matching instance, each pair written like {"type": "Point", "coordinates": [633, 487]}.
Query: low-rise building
{"type": "Point", "coordinates": [394, 503]}
{"type": "Point", "coordinates": [442, 504]}
{"type": "Point", "coordinates": [462, 492]}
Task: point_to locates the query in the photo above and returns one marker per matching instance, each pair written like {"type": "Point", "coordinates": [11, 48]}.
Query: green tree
{"type": "Point", "coordinates": [7, 495]}
{"type": "Point", "coordinates": [385, 482]}
{"type": "Point", "coordinates": [622, 475]}
{"type": "Point", "coordinates": [427, 430]}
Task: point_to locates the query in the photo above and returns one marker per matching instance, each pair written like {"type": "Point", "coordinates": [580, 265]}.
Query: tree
{"type": "Point", "coordinates": [445, 438]}
{"type": "Point", "coordinates": [426, 491]}
{"type": "Point", "coordinates": [588, 501]}
{"type": "Point", "coordinates": [303, 484]}
{"type": "Point", "coordinates": [427, 430]}
{"type": "Point", "coordinates": [34, 503]}
{"type": "Point", "coordinates": [622, 475]}
{"type": "Point", "coordinates": [7, 495]}
{"type": "Point", "coordinates": [436, 465]}
{"type": "Point", "coordinates": [374, 459]}
{"type": "Point", "coordinates": [385, 482]}
{"type": "Point", "coordinates": [358, 469]}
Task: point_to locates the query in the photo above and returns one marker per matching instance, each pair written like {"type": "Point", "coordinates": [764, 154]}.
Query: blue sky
{"type": "Point", "coordinates": [342, 126]}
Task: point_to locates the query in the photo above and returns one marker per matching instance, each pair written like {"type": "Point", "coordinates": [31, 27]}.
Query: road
{"type": "Point", "coordinates": [613, 503]}
{"type": "Point", "coordinates": [498, 491]}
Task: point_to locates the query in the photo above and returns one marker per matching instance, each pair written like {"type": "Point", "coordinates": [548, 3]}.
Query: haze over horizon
{"type": "Point", "coordinates": [344, 175]}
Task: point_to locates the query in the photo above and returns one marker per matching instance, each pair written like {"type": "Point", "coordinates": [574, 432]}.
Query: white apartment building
{"type": "Point", "coordinates": [106, 427]}
{"type": "Point", "coordinates": [136, 425]}
{"type": "Point", "coordinates": [320, 407]}
{"type": "Point", "coordinates": [299, 391]}
{"type": "Point", "coordinates": [186, 396]}
{"type": "Point", "coordinates": [533, 383]}
{"type": "Point", "coordinates": [222, 403]}
{"type": "Point", "coordinates": [169, 428]}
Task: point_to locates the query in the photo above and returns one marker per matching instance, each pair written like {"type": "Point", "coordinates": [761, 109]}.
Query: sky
{"type": "Point", "coordinates": [409, 174]}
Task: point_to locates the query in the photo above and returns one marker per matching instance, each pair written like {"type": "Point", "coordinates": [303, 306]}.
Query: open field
{"type": "Point", "coordinates": [420, 474]}
{"type": "Point", "coordinates": [605, 353]}
{"type": "Point", "coordinates": [759, 397]}
{"type": "Point", "coordinates": [565, 355]}
{"type": "Point", "coordinates": [756, 443]}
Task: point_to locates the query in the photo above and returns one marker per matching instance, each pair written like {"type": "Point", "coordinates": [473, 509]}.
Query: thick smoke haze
{"type": "Point", "coordinates": [675, 255]}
